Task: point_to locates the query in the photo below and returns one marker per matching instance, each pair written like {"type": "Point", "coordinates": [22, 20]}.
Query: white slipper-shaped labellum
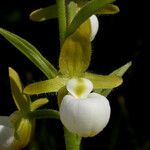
{"type": "Point", "coordinates": [86, 115]}
{"type": "Point", "coordinates": [6, 133]}
{"type": "Point", "coordinates": [94, 26]}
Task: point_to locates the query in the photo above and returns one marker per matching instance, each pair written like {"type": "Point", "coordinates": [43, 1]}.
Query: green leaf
{"type": "Point", "coordinates": [38, 103]}
{"type": "Point", "coordinates": [119, 72]}
{"type": "Point", "coordinates": [43, 14]}
{"type": "Point", "coordinates": [75, 54]}
{"type": "Point", "coordinates": [47, 86]}
{"type": "Point", "coordinates": [109, 9]}
{"type": "Point", "coordinates": [103, 81]}
{"type": "Point", "coordinates": [30, 52]}
{"type": "Point", "coordinates": [85, 12]}
{"type": "Point", "coordinates": [21, 100]}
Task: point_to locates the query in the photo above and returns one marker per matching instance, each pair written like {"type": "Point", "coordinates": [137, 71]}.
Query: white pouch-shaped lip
{"type": "Point", "coordinates": [85, 115]}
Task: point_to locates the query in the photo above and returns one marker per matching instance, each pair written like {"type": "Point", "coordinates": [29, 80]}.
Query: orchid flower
{"type": "Point", "coordinates": [75, 56]}
{"type": "Point", "coordinates": [83, 112]}
{"type": "Point", "coordinates": [86, 114]}
{"type": "Point", "coordinates": [16, 129]}
{"type": "Point", "coordinates": [72, 76]}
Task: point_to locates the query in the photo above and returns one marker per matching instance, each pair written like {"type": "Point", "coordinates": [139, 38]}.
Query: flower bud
{"type": "Point", "coordinates": [85, 116]}
{"type": "Point", "coordinates": [94, 26]}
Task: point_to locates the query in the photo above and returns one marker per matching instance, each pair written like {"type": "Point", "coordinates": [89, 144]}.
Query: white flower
{"type": "Point", "coordinates": [6, 133]}
{"type": "Point", "coordinates": [82, 112]}
{"type": "Point", "coordinates": [94, 26]}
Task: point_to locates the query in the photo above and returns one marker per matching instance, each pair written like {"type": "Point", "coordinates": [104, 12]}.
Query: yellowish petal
{"type": "Point", "coordinates": [104, 81]}
{"type": "Point", "coordinates": [47, 86]}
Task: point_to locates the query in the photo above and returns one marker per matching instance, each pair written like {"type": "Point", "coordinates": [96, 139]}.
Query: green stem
{"type": "Point", "coordinates": [61, 8]}
{"type": "Point", "coordinates": [44, 113]}
{"type": "Point", "coordinates": [72, 141]}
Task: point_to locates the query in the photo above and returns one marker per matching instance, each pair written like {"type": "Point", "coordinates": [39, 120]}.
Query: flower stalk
{"type": "Point", "coordinates": [72, 141]}
{"type": "Point", "coordinates": [61, 10]}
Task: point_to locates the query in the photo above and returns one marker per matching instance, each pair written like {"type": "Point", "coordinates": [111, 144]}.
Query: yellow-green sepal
{"type": "Point", "coordinates": [38, 103]}
{"type": "Point", "coordinates": [104, 81]}
{"type": "Point", "coordinates": [45, 13]}
{"type": "Point", "coordinates": [47, 86]}
{"type": "Point", "coordinates": [109, 9]}
{"type": "Point", "coordinates": [21, 100]}
{"type": "Point", "coordinates": [75, 53]}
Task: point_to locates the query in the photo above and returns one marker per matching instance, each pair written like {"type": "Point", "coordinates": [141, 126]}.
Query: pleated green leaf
{"type": "Point", "coordinates": [119, 72]}
{"type": "Point", "coordinates": [21, 100]}
{"type": "Point", "coordinates": [75, 54]}
{"type": "Point", "coordinates": [109, 9]}
{"type": "Point", "coordinates": [104, 81]}
{"type": "Point", "coordinates": [43, 14]}
{"type": "Point", "coordinates": [30, 52]}
{"type": "Point", "coordinates": [47, 86]}
{"type": "Point", "coordinates": [85, 12]}
{"type": "Point", "coordinates": [38, 103]}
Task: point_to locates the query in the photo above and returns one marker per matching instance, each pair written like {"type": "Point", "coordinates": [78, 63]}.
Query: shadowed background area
{"type": "Point", "coordinates": [121, 38]}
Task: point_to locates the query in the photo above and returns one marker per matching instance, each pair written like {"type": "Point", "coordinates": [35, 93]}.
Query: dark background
{"type": "Point", "coordinates": [121, 38]}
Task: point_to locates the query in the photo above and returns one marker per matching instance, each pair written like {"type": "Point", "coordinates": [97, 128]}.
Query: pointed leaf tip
{"type": "Point", "coordinates": [30, 52]}
{"type": "Point", "coordinates": [119, 72]}
{"type": "Point", "coordinates": [122, 70]}
{"type": "Point", "coordinates": [43, 14]}
{"type": "Point", "coordinates": [109, 9]}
